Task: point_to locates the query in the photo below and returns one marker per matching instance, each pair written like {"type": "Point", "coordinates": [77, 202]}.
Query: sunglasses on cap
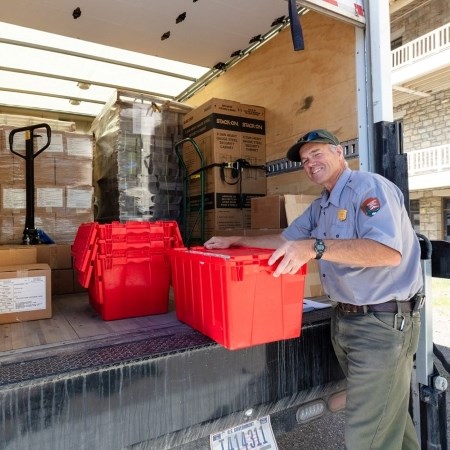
{"type": "Point", "coordinates": [312, 136]}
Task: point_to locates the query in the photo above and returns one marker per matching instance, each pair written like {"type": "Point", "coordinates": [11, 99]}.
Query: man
{"type": "Point", "coordinates": [369, 258]}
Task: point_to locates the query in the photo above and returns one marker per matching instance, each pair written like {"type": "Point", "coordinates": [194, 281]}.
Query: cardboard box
{"type": "Point", "coordinates": [268, 212]}
{"type": "Point", "coordinates": [278, 211]}
{"type": "Point", "coordinates": [313, 285]}
{"type": "Point", "coordinates": [252, 111]}
{"type": "Point", "coordinates": [44, 221]}
{"type": "Point", "coordinates": [227, 180]}
{"type": "Point", "coordinates": [223, 200]}
{"type": "Point", "coordinates": [11, 255]}
{"type": "Point", "coordinates": [6, 229]}
{"type": "Point", "coordinates": [44, 170]}
{"type": "Point", "coordinates": [224, 131]}
{"type": "Point", "coordinates": [212, 106]}
{"type": "Point", "coordinates": [73, 171]}
{"type": "Point", "coordinates": [6, 169]}
{"type": "Point", "coordinates": [57, 256]}
{"type": "Point", "coordinates": [26, 293]}
{"type": "Point", "coordinates": [216, 146]}
{"type": "Point", "coordinates": [219, 219]}
{"type": "Point", "coordinates": [296, 205]}
{"type": "Point", "coordinates": [62, 281]}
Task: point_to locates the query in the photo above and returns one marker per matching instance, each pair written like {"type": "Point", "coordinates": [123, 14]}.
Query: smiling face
{"type": "Point", "coordinates": [323, 163]}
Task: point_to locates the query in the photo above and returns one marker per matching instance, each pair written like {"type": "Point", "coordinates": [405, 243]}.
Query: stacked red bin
{"type": "Point", "coordinates": [126, 266]}
{"type": "Point", "coordinates": [232, 296]}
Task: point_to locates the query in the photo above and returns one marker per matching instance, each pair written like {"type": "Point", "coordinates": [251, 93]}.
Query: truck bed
{"type": "Point", "coordinates": [75, 381]}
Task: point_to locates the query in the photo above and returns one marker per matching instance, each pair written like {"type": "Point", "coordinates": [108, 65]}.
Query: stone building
{"type": "Point", "coordinates": [420, 41]}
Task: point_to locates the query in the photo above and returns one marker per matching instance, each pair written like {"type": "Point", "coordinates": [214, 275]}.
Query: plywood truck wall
{"type": "Point", "coordinates": [313, 88]}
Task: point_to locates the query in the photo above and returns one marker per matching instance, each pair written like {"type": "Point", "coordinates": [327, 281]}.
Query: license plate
{"type": "Point", "coordinates": [254, 435]}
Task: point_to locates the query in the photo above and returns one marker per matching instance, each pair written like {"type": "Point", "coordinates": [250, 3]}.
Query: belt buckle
{"type": "Point", "coordinates": [349, 308]}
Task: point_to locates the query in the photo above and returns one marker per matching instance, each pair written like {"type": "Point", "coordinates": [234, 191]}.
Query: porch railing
{"type": "Point", "coordinates": [426, 45]}
{"type": "Point", "coordinates": [429, 160]}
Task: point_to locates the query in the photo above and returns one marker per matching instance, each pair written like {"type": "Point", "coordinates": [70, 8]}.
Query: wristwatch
{"type": "Point", "coordinates": [319, 248]}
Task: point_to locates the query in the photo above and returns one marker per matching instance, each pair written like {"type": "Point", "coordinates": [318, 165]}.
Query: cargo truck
{"type": "Point", "coordinates": [170, 386]}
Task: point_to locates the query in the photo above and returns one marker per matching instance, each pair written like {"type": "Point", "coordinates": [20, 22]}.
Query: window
{"type": "Point", "coordinates": [414, 214]}
{"type": "Point", "coordinates": [447, 219]}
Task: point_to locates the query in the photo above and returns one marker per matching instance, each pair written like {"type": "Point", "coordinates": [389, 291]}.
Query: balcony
{"type": "Point", "coordinates": [422, 66]}
{"type": "Point", "coordinates": [429, 167]}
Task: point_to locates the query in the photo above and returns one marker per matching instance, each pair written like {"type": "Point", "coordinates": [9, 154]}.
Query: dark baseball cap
{"type": "Point", "coordinates": [320, 135]}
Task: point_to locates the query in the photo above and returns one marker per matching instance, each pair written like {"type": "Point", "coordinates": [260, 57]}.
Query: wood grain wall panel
{"type": "Point", "coordinates": [314, 88]}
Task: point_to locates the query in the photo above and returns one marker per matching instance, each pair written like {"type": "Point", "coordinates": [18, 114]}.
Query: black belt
{"type": "Point", "coordinates": [391, 306]}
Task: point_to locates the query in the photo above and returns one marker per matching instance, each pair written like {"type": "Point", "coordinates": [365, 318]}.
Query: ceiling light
{"type": "Point", "coordinates": [83, 86]}
{"type": "Point", "coordinates": [74, 102]}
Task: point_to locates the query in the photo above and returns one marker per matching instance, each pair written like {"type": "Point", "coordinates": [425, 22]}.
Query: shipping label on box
{"type": "Point", "coordinates": [22, 294]}
{"type": "Point", "coordinates": [13, 198]}
{"type": "Point", "coordinates": [78, 145]}
{"type": "Point", "coordinates": [252, 111]}
{"type": "Point", "coordinates": [212, 106]}
{"type": "Point", "coordinates": [49, 197]}
{"type": "Point", "coordinates": [79, 198]}
{"type": "Point", "coordinates": [25, 293]}
{"type": "Point", "coordinates": [39, 141]}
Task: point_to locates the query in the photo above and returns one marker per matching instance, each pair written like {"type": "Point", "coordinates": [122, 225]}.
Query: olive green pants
{"type": "Point", "coordinates": [376, 355]}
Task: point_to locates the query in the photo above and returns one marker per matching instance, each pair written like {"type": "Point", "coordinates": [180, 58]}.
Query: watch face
{"type": "Point", "coordinates": [319, 247]}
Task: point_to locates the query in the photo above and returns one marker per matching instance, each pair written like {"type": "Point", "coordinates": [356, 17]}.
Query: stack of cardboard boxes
{"type": "Point", "coordinates": [231, 139]}
{"type": "Point", "coordinates": [29, 275]}
{"type": "Point", "coordinates": [135, 168]}
{"type": "Point", "coordinates": [62, 185]}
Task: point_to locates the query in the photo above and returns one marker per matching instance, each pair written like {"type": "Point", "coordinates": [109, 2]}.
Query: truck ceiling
{"type": "Point", "coordinates": [68, 56]}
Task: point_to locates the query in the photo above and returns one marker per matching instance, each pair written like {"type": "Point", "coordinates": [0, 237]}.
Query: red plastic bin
{"type": "Point", "coordinates": [124, 287]}
{"type": "Point", "coordinates": [84, 251]}
{"type": "Point", "coordinates": [126, 266]}
{"type": "Point", "coordinates": [232, 296]}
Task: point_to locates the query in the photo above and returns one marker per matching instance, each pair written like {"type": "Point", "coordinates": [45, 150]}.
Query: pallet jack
{"type": "Point", "coordinates": [31, 235]}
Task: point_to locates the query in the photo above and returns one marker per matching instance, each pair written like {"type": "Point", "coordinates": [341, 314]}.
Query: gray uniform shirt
{"type": "Point", "coordinates": [363, 205]}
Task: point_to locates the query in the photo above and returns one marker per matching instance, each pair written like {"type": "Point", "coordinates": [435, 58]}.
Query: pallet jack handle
{"type": "Point", "coordinates": [30, 234]}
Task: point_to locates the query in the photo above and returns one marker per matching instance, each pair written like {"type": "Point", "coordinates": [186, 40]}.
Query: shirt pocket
{"type": "Point", "coordinates": [341, 230]}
